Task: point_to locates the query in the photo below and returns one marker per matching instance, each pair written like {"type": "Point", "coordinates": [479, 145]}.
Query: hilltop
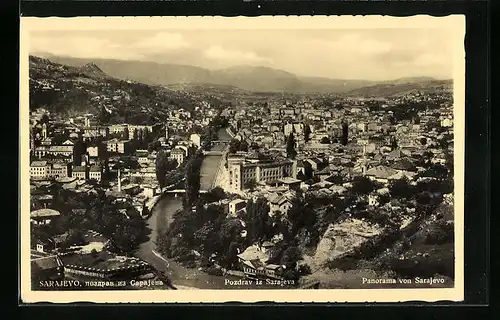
{"type": "Point", "coordinates": [249, 78]}
{"type": "Point", "coordinates": [87, 88]}
{"type": "Point", "coordinates": [400, 87]}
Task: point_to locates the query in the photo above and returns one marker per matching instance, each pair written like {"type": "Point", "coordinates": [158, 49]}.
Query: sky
{"type": "Point", "coordinates": [371, 54]}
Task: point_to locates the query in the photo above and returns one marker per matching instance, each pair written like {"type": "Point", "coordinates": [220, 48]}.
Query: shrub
{"type": "Point", "coordinates": [441, 232]}
{"type": "Point", "coordinates": [346, 263]}
{"type": "Point", "coordinates": [304, 270]}
{"type": "Point", "coordinates": [214, 271]}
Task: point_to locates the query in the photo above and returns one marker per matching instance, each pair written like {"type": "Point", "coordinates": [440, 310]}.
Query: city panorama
{"type": "Point", "coordinates": [241, 159]}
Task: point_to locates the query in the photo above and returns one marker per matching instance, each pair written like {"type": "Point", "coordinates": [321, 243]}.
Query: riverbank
{"type": "Point", "coordinates": [161, 215]}
{"type": "Point", "coordinates": [181, 277]}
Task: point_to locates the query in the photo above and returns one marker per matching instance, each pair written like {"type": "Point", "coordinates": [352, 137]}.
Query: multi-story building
{"type": "Point", "coordinates": [91, 132]}
{"type": "Point", "coordinates": [117, 128]}
{"type": "Point", "coordinates": [45, 170]}
{"type": "Point", "coordinates": [287, 129]}
{"type": "Point", "coordinates": [80, 172]}
{"type": "Point", "coordinates": [40, 170]}
{"type": "Point", "coordinates": [60, 170]}
{"type": "Point", "coordinates": [118, 146]}
{"type": "Point", "coordinates": [95, 173]}
{"type": "Point", "coordinates": [142, 156]}
{"type": "Point", "coordinates": [178, 154]}
{"type": "Point", "coordinates": [242, 173]}
{"type": "Point", "coordinates": [64, 150]}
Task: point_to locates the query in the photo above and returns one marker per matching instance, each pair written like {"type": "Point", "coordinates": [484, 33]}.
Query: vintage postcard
{"type": "Point", "coordinates": [214, 159]}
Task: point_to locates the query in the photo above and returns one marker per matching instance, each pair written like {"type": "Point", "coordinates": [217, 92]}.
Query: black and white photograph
{"type": "Point", "coordinates": [242, 154]}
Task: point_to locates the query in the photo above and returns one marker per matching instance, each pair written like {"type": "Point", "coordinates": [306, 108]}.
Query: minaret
{"type": "Point", "coordinates": [166, 132]}
{"type": "Point", "coordinates": [44, 131]}
{"type": "Point", "coordinates": [363, 166]}
{"type": "Point", "coordinates": [119, 181]}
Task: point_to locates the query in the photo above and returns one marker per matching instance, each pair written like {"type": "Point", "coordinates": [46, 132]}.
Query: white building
{"type": "Point", "coordinates": [117, 146]}
{"type": "Point", "coordinates": [195, 139]}
{"type": "Point", "coordinates": [178, 154]}
{"type": "Point", "coordinates": [236, 205]}
{"type": "Point", "coordinates": [39, 170]}
{"type": "Point", "coordinates": [95, 173]}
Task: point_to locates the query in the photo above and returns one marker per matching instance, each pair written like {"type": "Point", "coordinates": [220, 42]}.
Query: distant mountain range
{"type": "Point", "coordinates": [256, 79]}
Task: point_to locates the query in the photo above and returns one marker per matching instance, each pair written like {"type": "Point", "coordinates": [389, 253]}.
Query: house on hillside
{"type": "Point", "coordinates": [380, 173]}
{"type": "Point", "coordinates": [236, 206]}
{"type": "Point", "coordinates": [44, 216]}
{"type": "Point", "coordinates": [279, 203]}
{"type": "Point", "coordinates": [254, 263]}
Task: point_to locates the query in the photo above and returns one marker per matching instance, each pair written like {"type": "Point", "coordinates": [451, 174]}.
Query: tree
{"type": "Point", "coordinates": [214, 195]}
{"type": "Point", "coordinates": [401, 188]}
{"type": "Point", "coordinates": [161, 169]}
{"type": "Point", "coordinates": [45, 119]}
{"type": "Point", "coordinates": [362, 185]}
{"type": "Point", "coordinates": [307, 132]}
{"type": "Point", "coordinates": [308, 170]}
{"type": "Point", "coordinates": [325, 140]}
{"type": "Point", "coordinates": [383, 199]}
{"type": "Point", "coordinates": [103, 116]}
{"type": "Point", "coordinates": [290, 257]}
{"type": "Point", "coordinates": [394, 143]}
{"type": "Point", "coordinates": [290, 146]}
{"type": "Point", "coordinates": [238, 145]}
{"type": "Point", "coordinates": [126, 135]}
{"type": "Point", "coordinates": [78, 150]}
{"type": "Point", "coordinates": [140, 137]}
{"type": "Point", "coordinates": [345, 133]}
{"type": "Point", "coordinates": [154, 145]}
{"type": "Point", "coordinates": [304, 270]}
{"type": "Point", "coordinates": [250, 184]}
{"type": "Point", "coordinates": [256, 219]}
{"type": "Point", "coordinates": [232, 256]}
{"type": "Point", "coordinates": [423, 141]}
{"type": "Point", "coordinates": [301, 215]}
{"type": "Point", "coordinates": [192, 180]}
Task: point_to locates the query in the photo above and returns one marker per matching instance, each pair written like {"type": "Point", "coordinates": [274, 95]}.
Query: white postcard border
{"type": "Point", "coordinates": [455, 22]}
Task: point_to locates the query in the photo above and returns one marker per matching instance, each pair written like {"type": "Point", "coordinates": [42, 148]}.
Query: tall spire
{"type": "Point", "coordinates": [363, 166]}
{"type": "Point", "coordinates": [119, 181]}
{"type": "Point", "coordinates": [44, 131]}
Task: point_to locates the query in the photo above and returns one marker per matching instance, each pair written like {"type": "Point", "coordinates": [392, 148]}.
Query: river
{"type": "Point", "coordinates": [223, 135]}
{"type": "Point", "coordinates": [208, 171]}
{"type": "Point", "coordinates": [161, 217]}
